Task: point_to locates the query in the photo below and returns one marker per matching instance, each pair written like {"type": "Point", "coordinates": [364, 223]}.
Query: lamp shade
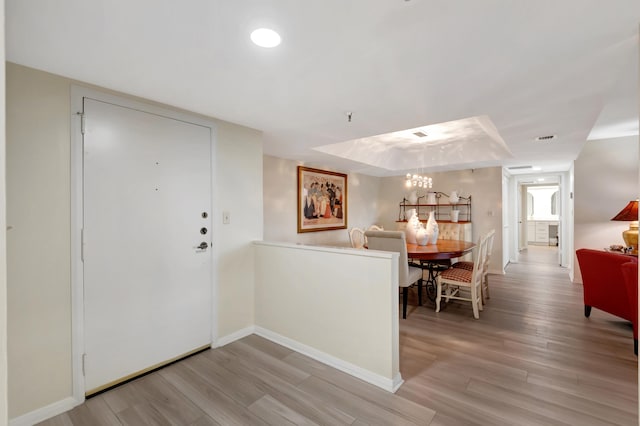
{"type": "Point", "coordinates": [629, 213]}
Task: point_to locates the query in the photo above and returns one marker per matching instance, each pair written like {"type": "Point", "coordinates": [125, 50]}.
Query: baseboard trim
{"type": "Point", "coordinates": [44, 413]}
{"type": "Point", "coordinates": [397, 382]}
{"type": "Point", "coordinates": [390, 385]}
{"type": "Point", "coordinates": [237, 335]}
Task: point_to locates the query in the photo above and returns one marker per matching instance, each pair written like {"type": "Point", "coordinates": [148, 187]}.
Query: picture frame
{"type": "Point", "coordinates": [322, 200]}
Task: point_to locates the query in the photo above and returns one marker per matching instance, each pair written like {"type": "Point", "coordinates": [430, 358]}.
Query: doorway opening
{"type": "Point", "coordinates": [540, 218]}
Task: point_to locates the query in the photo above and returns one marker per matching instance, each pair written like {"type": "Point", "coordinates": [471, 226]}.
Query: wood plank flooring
{"type": "Point", "coordinates": [531, 359]}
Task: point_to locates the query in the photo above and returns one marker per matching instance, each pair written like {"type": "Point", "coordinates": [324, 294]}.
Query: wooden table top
{"type": "Point", "coordinates": [443, 249]}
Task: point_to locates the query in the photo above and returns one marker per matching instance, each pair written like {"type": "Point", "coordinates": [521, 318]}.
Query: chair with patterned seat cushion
{"type": "Point", "coordinates": [485, 267]}
{"type": "Point", "coordinates": [395, 241]}
{"type": "Point", "coordinates": [454, 280]}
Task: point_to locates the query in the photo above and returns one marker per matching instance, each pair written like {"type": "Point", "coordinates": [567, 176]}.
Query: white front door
{"type": "Point", "coordinates": [147, 209]}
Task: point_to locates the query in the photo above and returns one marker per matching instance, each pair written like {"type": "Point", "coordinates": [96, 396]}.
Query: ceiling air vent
{"type": "Point", "coordinates": [545, 138]}
{"type": "Point", "coordinates": [420, 134]}
{"type": "Point", "coordinates": [519, 167]}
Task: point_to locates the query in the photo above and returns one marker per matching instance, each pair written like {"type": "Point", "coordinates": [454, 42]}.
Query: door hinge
{"type": "Point", "coordinates": [82, 122]}
{"type": "Point", "coordinates": [84, 357]}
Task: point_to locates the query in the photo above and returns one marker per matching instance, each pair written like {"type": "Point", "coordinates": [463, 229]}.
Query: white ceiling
{"type": "Point", "coordinates": [531, 68]}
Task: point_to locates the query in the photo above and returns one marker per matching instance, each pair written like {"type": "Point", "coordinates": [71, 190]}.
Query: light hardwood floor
{"type": "Point", "coordinates": [531, 359]}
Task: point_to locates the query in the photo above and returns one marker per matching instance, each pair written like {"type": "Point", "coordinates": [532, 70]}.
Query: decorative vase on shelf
{"type": "Point", "coordinates": [413, 197]}
{"type": "Point", "coordinates": [454, 215]}
{"type": "Point", "coordinates": [413, 224]}
{"type": "Point", "coordinates": [454, 198]}
{"type": "Point", "coordinates": [431, 198]}
{"type": "Point", "coordinates": [432, 228]}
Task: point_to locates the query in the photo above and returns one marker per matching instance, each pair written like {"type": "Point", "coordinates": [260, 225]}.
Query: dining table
{"type": "Point", "coordinates": [435, 257]}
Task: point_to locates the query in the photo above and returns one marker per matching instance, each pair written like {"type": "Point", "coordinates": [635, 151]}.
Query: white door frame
{"type": "Point", "coordinates": [77, 267]}
{"type": "Point", "coordinates": [565, 247]}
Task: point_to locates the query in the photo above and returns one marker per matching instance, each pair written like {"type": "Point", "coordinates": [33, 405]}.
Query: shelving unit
{"type": "Point", "coordinates": [442, 211]}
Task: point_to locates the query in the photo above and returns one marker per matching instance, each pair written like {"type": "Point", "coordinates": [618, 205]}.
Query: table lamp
{"type": "Point", "coordinates": [630, 236]}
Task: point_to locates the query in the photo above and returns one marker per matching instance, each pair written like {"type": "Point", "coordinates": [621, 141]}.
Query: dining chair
{"type": "Point", "coordinates": [356, 237]}
{"type": "Point", "coordinates": [453, 280]}
{"type": "Point", "coordinates": [485, 267]}
{"type": "Point", "coordinates": [407, 275]}
{"type": "Point", "coordinates": [375, 228]}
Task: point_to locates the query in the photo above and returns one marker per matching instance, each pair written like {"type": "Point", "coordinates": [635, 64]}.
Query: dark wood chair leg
{"type": "Point", "coordinates": [635, 346]}
{"type": "Point", "coordinates": [587, 310]}
{"type": "Point", "coordinates": [419, 292]}
{"type": "Point", "coordinates": [405, 294]}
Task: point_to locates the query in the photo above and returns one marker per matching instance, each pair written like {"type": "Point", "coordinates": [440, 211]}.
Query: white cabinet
{"type": "Point", "coordinates": [538, 231]}
{"type": "Point", "coordinates": [542, 232]}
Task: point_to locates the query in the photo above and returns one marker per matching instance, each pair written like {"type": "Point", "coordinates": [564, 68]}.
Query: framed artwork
{"type": "Point", "coordinates": [322, 200]}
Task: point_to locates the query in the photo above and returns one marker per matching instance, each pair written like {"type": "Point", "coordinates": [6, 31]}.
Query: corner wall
{"type": "Point", "coordinates": [3, 238]}
{"type": "Point", "coordinates": [606, 179]}
{"type": "Point", "coordinates": [38, 239]}
{"type": "Point", "coordinates": [38, 244]}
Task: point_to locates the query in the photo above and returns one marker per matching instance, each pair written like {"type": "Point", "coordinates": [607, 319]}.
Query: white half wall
{"type": "Point", "coordinates": [338, 305]}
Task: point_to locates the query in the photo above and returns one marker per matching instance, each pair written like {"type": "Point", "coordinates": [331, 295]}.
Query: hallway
{"type": "Point", "coordinates": [531, 358]}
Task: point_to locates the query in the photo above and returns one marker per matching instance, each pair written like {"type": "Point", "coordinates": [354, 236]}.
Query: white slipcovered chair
{"type": "Point", "coordinates": [356, 237]}
{"type": "Point", "coordinates": [408, 275]}
{"type": "Point", "coordinates": [454, 280]}
{"type": "Point", "coordinates": [375, 228]}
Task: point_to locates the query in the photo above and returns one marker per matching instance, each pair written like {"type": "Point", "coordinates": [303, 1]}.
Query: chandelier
{"type": "Point", "coordinates": [418, 181]}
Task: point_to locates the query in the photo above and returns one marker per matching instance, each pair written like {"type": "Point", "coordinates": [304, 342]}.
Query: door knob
{"type": "Point", "coordinates": [203, 246]}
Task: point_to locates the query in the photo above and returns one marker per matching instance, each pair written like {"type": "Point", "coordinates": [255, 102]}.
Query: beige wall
{"type": "Point", "coordinates": [484, 185]}
{"type": "Point", "coordinates": [3, 239]}
{"type": "Point", "coordinates": [38, 242]}
{"type": "Point", "coordinates": [38, 245]}
{"type": "Point", "coordinates": [376, 200]}
{"type": "Point", "coordinates": [280, 201]}
{"type": "Point", "coordinates": [606, 179]}
{"type": "Point", "coordinates": [239, 191]}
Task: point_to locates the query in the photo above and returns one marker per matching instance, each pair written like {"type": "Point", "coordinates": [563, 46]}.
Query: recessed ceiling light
{"type": "Point", "coordinates": [265, 37]}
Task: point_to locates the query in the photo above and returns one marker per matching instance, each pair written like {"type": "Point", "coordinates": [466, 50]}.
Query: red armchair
{"type": "Point", "coordinates": [630, 274]}
{"type": "Point", "coordinates": [604, 285]}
